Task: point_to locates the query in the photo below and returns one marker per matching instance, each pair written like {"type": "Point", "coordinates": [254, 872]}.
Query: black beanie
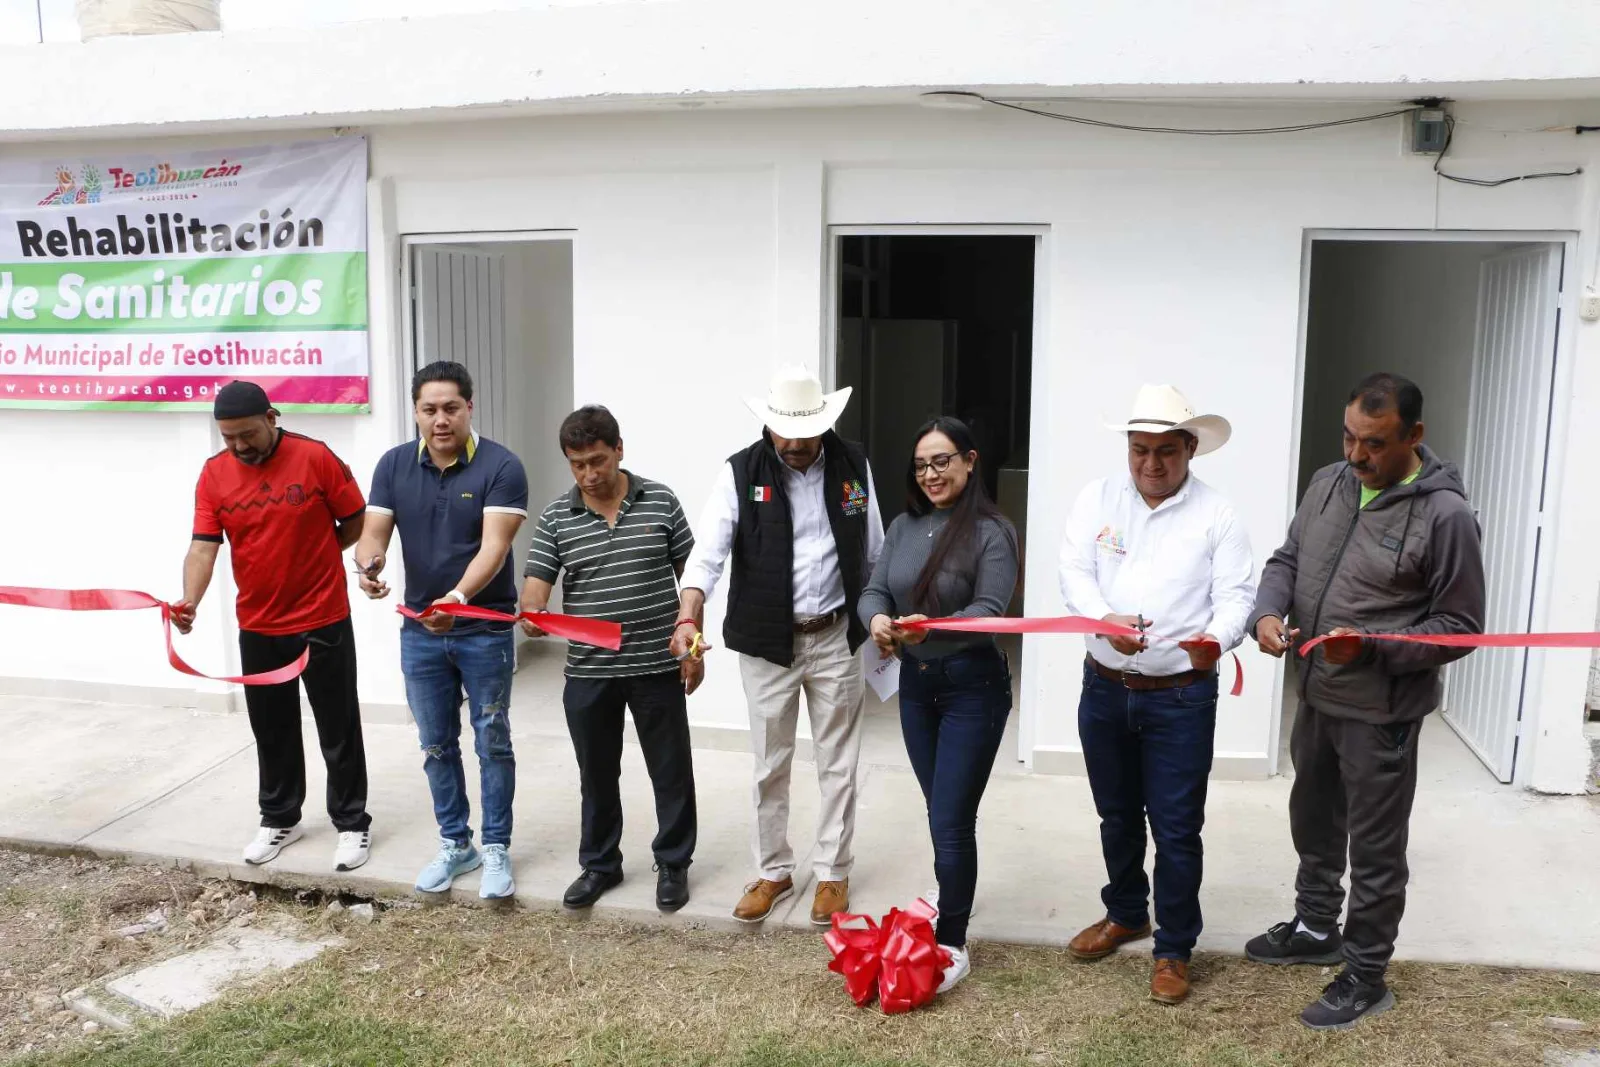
{"type": "Point", "coordinates": [240, 400]}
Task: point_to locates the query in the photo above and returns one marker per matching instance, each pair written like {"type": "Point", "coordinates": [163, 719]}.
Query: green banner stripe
{"type": "Point", "coordinates": [111, 331]}
{"type": "Point", "coordinates": [323, 290]}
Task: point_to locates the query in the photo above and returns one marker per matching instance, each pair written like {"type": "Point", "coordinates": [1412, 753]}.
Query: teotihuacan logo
{"type": "Point", "coordinates": [69, 190]}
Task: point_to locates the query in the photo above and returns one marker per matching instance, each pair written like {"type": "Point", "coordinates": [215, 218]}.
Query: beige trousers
{"type": "Point", "coordinates": [831, 678]}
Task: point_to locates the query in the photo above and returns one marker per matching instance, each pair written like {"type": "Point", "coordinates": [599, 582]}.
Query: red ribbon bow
{"type": "Point", "coordinates": [899, 961]}
{"type": "Point", "coordinates": [133, 600]}
{"type": "Point", "coordinates": [598, 632]}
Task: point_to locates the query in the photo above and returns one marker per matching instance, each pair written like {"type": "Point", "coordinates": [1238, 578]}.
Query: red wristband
{"type": "Point", "coordinates": [686, 622]}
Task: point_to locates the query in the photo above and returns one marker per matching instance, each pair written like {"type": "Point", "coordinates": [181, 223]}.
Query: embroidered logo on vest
{"type": "Point", "coordinates": [761, 494]}
{"type": "Point", "coordinates": [855, 499]}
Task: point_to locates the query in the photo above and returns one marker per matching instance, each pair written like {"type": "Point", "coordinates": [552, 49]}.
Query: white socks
{"type": "Point", "coordinates": [1300, 927]}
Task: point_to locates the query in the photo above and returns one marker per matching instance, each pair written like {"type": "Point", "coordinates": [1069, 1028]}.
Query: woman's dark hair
{"type": "Point", "coordinates": [442, 371]}
{"type": "Point", "coordinates": [958, 541]}
{"type": "Point", "coordinates": [587, 425]}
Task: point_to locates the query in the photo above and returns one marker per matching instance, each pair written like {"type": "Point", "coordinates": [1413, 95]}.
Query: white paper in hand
{"type": "Point", "coordinates": [883, 673]}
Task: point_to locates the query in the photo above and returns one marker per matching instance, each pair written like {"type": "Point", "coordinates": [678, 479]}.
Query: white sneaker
{"type": "Point", "coordinates": [932, 897]}
{"type": "Point", "coordinates": [354, 848]}
{"type": "Point", "coordinates": [269, 842]}
{"type": "Point", "coordinates": [959, 968]}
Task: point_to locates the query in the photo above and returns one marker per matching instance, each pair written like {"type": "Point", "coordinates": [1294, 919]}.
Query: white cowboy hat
{"type": "Point", "coordinates": [1162, 409]}
{"type": "Point", "coordinates": [796, 406]}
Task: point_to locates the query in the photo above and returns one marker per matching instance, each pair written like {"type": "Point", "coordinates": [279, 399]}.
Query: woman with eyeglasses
{"type": "Point", "coordinates": [952, 553]}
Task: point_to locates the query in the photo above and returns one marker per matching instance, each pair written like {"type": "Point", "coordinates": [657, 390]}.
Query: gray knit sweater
{"type": "Point", "coordinates": [974, 583]}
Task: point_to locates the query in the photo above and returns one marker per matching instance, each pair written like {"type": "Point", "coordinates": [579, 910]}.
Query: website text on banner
{"type": "Point", "coordinates": [1067, 624]}
{"type": "Point", "coordinates": [146, 282]}
{"type": "Point", "coordinates": [133, 600]}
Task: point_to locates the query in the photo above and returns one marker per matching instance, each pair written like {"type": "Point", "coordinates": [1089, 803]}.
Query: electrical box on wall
{"type": "Point", "coordinates": [1429, 129]}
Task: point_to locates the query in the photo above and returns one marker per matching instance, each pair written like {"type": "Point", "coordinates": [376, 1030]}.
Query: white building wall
{"type": "Point", "coordinates": [700, 261]}
{"type": "Point", "coordinates": [605, 56]}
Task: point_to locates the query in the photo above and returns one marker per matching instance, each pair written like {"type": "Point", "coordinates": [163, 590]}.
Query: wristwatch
{"type": "Point", "coordinates": [457, 595]}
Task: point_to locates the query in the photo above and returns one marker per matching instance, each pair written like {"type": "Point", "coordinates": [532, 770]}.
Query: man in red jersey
{"type": "Point", "coordinates": [289, 508]}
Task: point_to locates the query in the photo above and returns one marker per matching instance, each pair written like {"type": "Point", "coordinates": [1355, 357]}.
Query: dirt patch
{"type": "Point", "coordinates": [454, 985]}
{"type": "Point", "coordinates": [65, 922]}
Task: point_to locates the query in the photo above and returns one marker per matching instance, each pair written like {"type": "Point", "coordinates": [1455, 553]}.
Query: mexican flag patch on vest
{"type": "Point", "coordinates": [761, 494]}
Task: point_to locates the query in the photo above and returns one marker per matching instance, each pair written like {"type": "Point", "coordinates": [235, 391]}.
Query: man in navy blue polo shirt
{"type": "Point", "coordinates": [457, 500]}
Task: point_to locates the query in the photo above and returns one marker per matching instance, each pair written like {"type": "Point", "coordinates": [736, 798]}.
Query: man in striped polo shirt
{"type": "Point", "coordinates": [622, 541]}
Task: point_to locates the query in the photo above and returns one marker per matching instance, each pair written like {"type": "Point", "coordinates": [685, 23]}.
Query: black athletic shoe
{"type": "Point", "coordinates": [672, 888]}
{"type": "Point", "coordinates": [1285, 944]}
{"type": "Point", "coordinates": [1346, 1001]}
{"type": "Point", "coordinates": [590, 887]}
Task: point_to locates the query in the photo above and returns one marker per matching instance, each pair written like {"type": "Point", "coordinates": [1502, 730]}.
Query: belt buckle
{"type": "Point", "coordinates": [1130, 674]}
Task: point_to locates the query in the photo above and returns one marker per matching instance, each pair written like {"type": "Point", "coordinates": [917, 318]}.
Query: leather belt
{"type": "Point", "coordinates": [1135, 680]}
{"type": "Point", "coordinates": [817, 623]}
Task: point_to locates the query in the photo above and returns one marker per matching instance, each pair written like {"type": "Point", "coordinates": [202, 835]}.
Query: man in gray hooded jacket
{"type": "Point", "coordinates": [1382, 543]}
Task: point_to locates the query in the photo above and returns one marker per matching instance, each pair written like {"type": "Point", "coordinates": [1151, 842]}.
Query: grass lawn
{"type": "Point", "coordinates": [472, 986]}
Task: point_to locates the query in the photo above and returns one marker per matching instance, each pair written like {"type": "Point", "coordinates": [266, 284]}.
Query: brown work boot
{"type": "Point", "coordinates": [760, 896]}
{"type": "Point", "coordinates": [1103, 938]}
{"type": "Point", "coordinates": [1169, 984]}
{"type": "Point", "coordinates": [831, 897]}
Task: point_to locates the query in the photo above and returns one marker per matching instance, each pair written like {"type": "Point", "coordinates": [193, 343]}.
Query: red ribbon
{"type": "Point", "coordinates": [1064, 624]}
{"type": "Point", "coordinates": [132, 600]}
{"type": "Point", "coordinates": [1562, 640]}
{"type": "Point", "coordinates": [899, 962]}
{"type": "Point", "coordinates": [598, 632]}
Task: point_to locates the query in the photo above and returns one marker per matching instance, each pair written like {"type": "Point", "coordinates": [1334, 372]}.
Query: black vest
{"type": "Point", "coordinates": [760, 619]}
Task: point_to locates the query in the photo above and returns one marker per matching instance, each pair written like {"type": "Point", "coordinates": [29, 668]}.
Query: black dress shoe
{"type": "Point", "coordinates": [672, 888]}
{"type": "Point", "coordinates": [590, 887]}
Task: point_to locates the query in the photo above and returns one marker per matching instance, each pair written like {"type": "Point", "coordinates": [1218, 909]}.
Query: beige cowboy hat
{"type": "Point", "coordinates": [796, 407]}
{"type": "Point", "coordinates": [1162, 409]}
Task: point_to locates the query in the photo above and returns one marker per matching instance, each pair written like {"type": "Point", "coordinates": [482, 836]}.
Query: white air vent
{"type": "Point", "coordinates": [114, 18]}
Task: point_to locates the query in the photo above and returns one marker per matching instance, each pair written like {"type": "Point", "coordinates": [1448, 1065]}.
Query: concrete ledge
{"type": "Point", "coordinates": [113, 693]}
{"type": "Point", "coordinates": [1225, 767]}
{"type": "Point", "coordinates": [392, 889]}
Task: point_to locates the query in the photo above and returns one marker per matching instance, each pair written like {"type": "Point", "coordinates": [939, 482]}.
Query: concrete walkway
{"type": "Point", "coordinates": [1499, 876]}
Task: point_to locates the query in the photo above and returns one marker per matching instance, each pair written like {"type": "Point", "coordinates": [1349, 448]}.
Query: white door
{"type": "Point", "coordinates": [1507, 435]}
{"type": "Point", "coordinates": [459, 305]}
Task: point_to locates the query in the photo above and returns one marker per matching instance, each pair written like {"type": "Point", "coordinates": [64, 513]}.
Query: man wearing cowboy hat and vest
{"type": "Point", "coordinates": [1154, 549]}
{"type": "Point", "coordinates": [797, 513]}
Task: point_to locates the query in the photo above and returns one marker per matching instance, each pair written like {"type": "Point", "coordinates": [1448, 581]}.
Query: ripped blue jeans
{"type": "Point", "coordinates": [438, 668]}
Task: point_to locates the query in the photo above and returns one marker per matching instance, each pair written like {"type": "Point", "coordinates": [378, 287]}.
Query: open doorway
{"type": "Point", "coordinates": [939, 324]}
{"type": "Point", "coordinates": [1474, 324]}
{"type": "Point", "coordinates": [501, 304]}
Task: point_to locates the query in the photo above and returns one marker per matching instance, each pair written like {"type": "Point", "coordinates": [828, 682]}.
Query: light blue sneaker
{"type": "Point", "coordinates": [497, 883]}
{"type": "Point", "coordinates": [452, 861]}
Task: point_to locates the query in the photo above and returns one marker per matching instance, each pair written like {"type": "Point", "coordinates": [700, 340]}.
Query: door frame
{"type": "Point", "coordinates": [1555, 437]}
{"type": "Point", "coordinates": [406, 352]}
{"type": "Point", "coordinates": [1038, 404]}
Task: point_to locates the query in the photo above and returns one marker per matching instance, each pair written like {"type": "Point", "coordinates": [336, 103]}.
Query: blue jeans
{"type": "Point", "coordinates": [438, 668]}
{"type": "Point", "coordinates": [953, 713]}
{"type": "Point", "coordinates": [1148, 754]}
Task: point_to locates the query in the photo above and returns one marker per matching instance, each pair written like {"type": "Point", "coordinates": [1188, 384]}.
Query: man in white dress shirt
{"type": "Point", "coordinates": [797, 514]}
{"type": "Point", "coordinates": [1155, 550]}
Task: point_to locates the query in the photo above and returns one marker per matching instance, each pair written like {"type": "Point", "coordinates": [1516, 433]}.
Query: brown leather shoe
{"type": "Point", "coordinates": [1169, 984]}
{"type": "Point", "coordinates": [1103, 938]}
{"type": "Point", "coordinates": [760, 897]}
{"type": "Point", "coordinates": [831, 897]}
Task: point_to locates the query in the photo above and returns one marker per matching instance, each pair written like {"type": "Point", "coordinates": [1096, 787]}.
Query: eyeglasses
{"type": "Point", "coordinates": [938, 464]}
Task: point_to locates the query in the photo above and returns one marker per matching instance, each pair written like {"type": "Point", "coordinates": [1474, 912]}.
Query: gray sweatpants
{"type": "Point", "coordinates": [1354, 783]}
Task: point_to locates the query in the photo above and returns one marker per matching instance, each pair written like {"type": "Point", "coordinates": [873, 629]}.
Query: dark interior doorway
{"type": "Point", "coordinates": [938, 325]}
